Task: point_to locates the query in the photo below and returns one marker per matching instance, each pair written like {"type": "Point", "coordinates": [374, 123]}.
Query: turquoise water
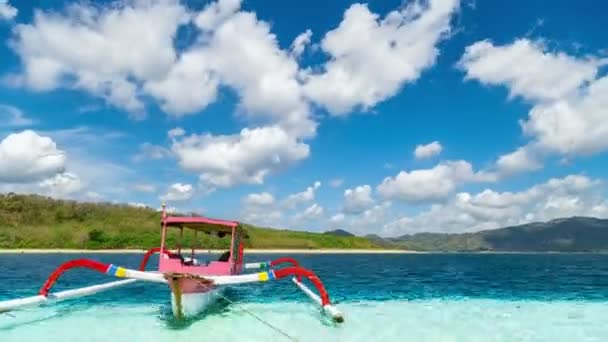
{"type": "Point", "coordinates": [428, 297]}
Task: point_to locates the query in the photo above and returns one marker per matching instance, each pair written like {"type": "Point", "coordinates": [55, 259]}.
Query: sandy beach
{"type": "Point", "coordinates": [213, 251]}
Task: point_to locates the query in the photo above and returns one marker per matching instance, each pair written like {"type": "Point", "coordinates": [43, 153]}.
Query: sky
{"type": "Point", "coordinates": [382, 117]}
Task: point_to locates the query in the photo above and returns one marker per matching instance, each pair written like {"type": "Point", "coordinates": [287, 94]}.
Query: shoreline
{"type": "Point", "coordinates": [272, 251]}
{"type": "Point", "coordinates": [202, 251]}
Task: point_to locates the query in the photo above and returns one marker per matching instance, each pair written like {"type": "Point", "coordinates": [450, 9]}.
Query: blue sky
{"type": "Point", "coordinates": [384, 117]}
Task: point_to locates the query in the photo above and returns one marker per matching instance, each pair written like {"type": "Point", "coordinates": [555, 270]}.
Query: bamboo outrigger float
{"type": "Point", "coordinates": [193, 285]}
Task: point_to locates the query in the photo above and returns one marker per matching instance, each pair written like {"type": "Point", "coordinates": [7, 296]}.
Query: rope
{"type": "Point", "coordinates": [206, 282]}
{"type": "Point", "coordinates": [277, 329]}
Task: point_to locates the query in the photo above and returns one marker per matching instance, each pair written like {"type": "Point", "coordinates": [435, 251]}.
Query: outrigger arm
{"type": "Point", "coordinates": [133, 275]}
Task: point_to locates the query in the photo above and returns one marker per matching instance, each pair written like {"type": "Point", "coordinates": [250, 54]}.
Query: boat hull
{"type": "Point", "coordinates": [188, 298]}
{"type": "Point", "coordinates": [192, 304]}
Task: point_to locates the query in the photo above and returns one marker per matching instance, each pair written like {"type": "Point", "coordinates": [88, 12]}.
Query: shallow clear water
{"type": "Point", "coordinates": [427, 297]}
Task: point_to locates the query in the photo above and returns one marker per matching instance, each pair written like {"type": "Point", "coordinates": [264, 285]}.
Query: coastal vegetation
{"type": "Point", "coordinates": [32, 221]}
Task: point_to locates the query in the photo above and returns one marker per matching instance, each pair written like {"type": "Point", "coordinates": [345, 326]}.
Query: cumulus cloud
{"type": "Point", "coordinates": [574, 195]}
{"type": "Point", "coordinates": [62, 185]}
{"type": "Point", "coordinates": [111, 53]}
{"type": "Point", "coordinates": [527, 69]}
{"type": "Point", "coordinates": [305, 196]}
{"type": "Point", "coordinates": [176, 132]}
{"type": "Point", "coordinates": [569, 100]}
{"type": "Point", "coordinates": [368, 221]}
{"type": "Point", "coordinates": [7, 12]}
{"type": "Point", "coordinates": [148, 151]}
{"type": "Point", "coordinates": [27, 156]}
{"type": "Point", "coordinates": [358, 199]}
{"type": "Point", "coordinates": [372, 58]}
{"type": "Point", "coordinates": [427, 184]}
{"type": "Point", "coordinates": [215, 13]}
{"type": "Point", "coordinates": [239, 52]}
{"type": "Point", "coordinates": [300, 42]}
{"type": "Point", "coordinates": [178, 192]}
{"type": "Point", "coordinates": [573, 125]}
{"type": "Point", "coordinates": [260, 199]}
{"type": "Point", "coordinates": [312, 212]}
{"type": "Point", "coordinates": [260, 209]}
{"type": "Point", "coordinates": [144, 187]}
{"type": "Point", "coordinates": [234, 49]}
{"type": "Point", "coordinates": [248, 157]}
{"type": "Point", "coordinates": [522, 159]}
{"type": "Point", "coordinates": [137, 205]}
{"type": "Point", "coordinates": [429, 150]}
{"type": "Point", "coordinates": [189, 86]}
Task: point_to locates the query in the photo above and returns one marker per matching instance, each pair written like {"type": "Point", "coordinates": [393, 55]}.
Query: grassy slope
{"type": "Point", "coordinates": [40, 222]}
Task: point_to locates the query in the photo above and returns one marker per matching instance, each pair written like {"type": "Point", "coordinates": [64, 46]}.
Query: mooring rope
{"type": "Point", "coordinates": [277, 329]}
{"type": "Point", "coordinates": [207, 283]}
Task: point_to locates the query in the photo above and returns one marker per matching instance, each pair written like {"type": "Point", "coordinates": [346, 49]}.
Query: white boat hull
{"type": "Point", "coordinates": [193, 304]}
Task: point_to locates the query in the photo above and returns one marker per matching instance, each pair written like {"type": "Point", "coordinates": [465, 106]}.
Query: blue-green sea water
{"type": "Point", "coordinates": [407, 297]}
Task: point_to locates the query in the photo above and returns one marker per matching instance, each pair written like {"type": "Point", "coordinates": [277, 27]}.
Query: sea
{"type": "Point", "coordinates": [384, 297]}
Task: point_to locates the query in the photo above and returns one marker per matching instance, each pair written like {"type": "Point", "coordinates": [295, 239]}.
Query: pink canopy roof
{"type": "Point", "coordinates": [200, 223]}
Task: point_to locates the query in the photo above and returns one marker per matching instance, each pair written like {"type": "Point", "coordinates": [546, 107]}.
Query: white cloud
{"type": "Point", "coordinates": [522, 159]}
{"type": "Point", "coordinates": [260, 199]}
{"type": "Point", "coordinates": [569, 102]}
{"type": "Point", "coordinates": [305, 196]}
{"type": "Point", "coordinates": [527, 69]}
{"type": "Point", "coordinates": [149, 151]}
{"type": "Point", "coordinates": [372, 58]}
{"type": "Point", "coordinates": [427, 184]}
{"type": "Point", "coordinates": [313, 212]}
{"type": "Point", "coordinates": [248, 157]}
{"type": "Point", "coordinates": [365, 222]}
{"type": "Point", "coordinates": [573, 125]}
{"type": "Point", "coordinates": [240, 52]}
{"type": "Point", "coordinates": [27, 156]}
{"type": "Point", "coordinates": [358, 199]}
{"type": "Point", "coordinates": [62, 185]}
{"type": "Point", "coordinates": [176, 132]}
{"type": "Point", "coordinates": [188, 87]}
{"type": "Point", "coordinates": [92, 196]}
{"type": "Point", "coordinates": [13, 117]}
{"type": "Point", "coordinates": [7, 12]}
{"type": "Point", "coordinates": [178, 192]}
{"type": "Point", "coordinates": [260, 209]}
{"type": "Point", "coordinates": [336, 182]}
{"type": "Point", "coordinates": [216, 12]}
{"type": "Point", "coordinates": [337, 218]}
{"type": "Point", "coordinates": [262, 217]}
{"type": "Point", "coordinates": [300, 42]}
{"type": "Point", "coordinates": [112, 50]}
{"type": "Point", "coordinates": [429, 150]}
{"type": "Point", "coordinates": [143, 187]}
{"type": "Point", "coordinates": [247, 57]}
{"type": "Point", "coordinates": [573, 195]}
{"type": "Point", "coordinates": [137, 205]}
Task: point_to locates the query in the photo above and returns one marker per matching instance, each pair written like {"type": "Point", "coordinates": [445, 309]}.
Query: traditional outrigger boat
{"type": "Point", "coordinates": [194, 285]}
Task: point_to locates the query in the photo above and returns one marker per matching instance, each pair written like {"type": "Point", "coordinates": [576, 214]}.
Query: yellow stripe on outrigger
{"type": "Point", "coordinates": [263, 276]}
{"type": "Point", "coordinates": [120, 272]}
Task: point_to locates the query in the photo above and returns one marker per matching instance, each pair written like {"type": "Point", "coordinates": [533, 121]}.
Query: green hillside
{"type": "Point", "coordinates": [31, 221]}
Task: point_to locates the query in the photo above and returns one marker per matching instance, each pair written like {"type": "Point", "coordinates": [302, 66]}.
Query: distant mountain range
{"type": "Point", "coordinates": [574, 234]}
